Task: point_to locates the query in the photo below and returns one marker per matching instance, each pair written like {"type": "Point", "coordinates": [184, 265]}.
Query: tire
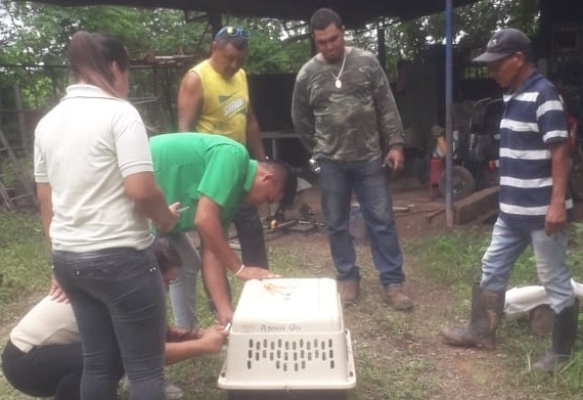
{"type": "Point", "coordinates": [463, 183]}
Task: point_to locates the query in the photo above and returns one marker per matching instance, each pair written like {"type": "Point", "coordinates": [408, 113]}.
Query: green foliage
{"type": "Point", "coordinates": [453, 259]}
{"type": "Point", "coordinates": [269, 52]}
{"type": "Point", "coordinates": [43, 30]}
{"type": "Point", "coordinates": [37, 34]}
{"type": "Point", "coordinates": [472, 27]}
{"type": "Point", "coordinates": [25, 266]}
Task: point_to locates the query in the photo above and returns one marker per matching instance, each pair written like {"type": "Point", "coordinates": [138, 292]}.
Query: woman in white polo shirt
{"type": "Point", "coordinates": [97, 193]}
{"type": "Point", "coordinates": [43, 356]}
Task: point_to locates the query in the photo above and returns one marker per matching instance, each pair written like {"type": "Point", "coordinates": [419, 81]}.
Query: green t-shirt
{"type": "Point", "coordinates": [188, 165]}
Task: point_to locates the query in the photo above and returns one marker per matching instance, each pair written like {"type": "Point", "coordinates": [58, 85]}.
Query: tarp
{"type": "Point", "coordinates": [353, 12]}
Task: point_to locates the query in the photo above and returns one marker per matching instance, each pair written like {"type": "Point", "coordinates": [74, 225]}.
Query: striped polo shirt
{"type": "Point", "coordinates": [533, 119]}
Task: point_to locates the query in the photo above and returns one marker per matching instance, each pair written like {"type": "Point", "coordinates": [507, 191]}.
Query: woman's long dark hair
{"type": "Point", "coordinates": [91, 55]}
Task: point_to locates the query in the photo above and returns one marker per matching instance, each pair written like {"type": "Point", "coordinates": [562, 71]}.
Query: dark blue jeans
{"type": "Point", "coordinates": [370, 183]}
{"type": "Point", "coordinates": [251, 237]}
{"type": "Point", "coordinates": [47, 371]}
{"type": "Point", "coordinates": [117, 296]}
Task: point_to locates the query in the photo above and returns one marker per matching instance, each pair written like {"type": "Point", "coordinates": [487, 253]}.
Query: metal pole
{"type": "Point", "coordinates": [449, 113]}
{"type": "Point", "coordinates": [382, 47]}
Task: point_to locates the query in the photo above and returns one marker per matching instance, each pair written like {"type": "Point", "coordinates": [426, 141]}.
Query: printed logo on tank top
{"type": "Point", "coordinates": [232, 105]}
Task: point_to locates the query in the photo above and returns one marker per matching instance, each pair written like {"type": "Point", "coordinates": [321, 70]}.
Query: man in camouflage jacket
{"type": "Point", "coordinates": [345, 112]}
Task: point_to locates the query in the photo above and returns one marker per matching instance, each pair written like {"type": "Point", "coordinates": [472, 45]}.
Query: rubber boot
{"type": "Point", "coordinates": [562, 341]}
{"type": "Point", "coordinates": [487, 307]}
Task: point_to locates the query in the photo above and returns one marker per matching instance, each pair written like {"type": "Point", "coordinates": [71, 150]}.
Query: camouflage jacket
{"type": "Point", "coordinates": [349, 123]}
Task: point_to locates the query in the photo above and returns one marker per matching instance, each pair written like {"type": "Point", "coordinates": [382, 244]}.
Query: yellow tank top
{"type": "Point", "coordinates": [224, 111]}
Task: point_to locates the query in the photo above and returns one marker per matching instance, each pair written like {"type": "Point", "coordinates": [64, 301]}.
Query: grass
{"type": "Point", "coordinates": [453, 261]}
{"type": "Point", "coordinates": [24, 262]}
{"type": "Point", "coordinates": [25, 272]}
{"type": "Point", "coordinates": [395, 353]}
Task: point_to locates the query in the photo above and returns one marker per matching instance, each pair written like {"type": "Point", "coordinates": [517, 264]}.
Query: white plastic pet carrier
{"type": "Point", "coordinates": [288, 334]}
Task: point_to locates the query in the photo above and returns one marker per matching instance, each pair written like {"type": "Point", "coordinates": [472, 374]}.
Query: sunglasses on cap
{"type": "Point", "coordinates": [233, 31]}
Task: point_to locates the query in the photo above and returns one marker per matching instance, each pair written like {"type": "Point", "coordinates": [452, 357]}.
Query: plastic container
{"type": "Point", "coordinates": [288, 335]}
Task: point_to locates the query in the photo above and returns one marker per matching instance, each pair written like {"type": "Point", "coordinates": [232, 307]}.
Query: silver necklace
{"type": "Point", "coordinates": [337, 81]}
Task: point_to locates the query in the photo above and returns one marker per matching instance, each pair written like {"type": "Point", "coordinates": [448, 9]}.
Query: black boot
{"type": "Point", "coordinates": [487, 307]}
{"type": "Point", "coordinates": [563, 339]}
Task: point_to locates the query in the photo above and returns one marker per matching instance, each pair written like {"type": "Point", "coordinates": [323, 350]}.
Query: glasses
{"type": "Point", "coordinates": [233, 31]}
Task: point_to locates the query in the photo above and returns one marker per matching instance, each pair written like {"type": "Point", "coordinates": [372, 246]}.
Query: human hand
{"type": "Point", "coordinates": [224, 315]}
{"type": "Point", "coordinates": [395, 159]}
{"type": "Point", "coordinates": [249, 272]}
{"type": "Point", "coordinates": [56, 293]}
{"type": "Point", "coordinates": [174, 210]}
{"type": "Point", "coordinates": [556, 218]}
{"type": "Point", "coordinates": [169, 223]}
{"type": "Point", "coordinates": [215, 327]}
{"type": "Point", "coordinates": [213, 338]}
{"type": "Point", "coordinates": [181, 335]}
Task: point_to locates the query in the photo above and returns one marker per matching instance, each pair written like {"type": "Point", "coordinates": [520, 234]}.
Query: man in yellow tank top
{"type": "Point", "coordinates": [214, 98]}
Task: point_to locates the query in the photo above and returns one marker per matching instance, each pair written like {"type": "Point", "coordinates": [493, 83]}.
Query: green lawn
{"type": "Point", "coordinates": [393, 351]}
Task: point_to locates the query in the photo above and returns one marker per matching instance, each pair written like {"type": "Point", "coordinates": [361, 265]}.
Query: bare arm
{"type": "Point", "coordinates": [149, 200]}
{"type": "Point", "coordinates": [556, 217]}
{"type": "Point", "coordinates": [208, 224]}
{"type": "Point", "coordinates": [211, 341]}
{"type": "Point", "coordinates": [43, 194]}
{"type": "Point", "coordinates": [254, 140]}
{"type": "Point", "coordinates": [218, 255]}
{"type": "Point", "coordinates": [215, 280]}
{"type": "Point", "coordinates": [190, 101]}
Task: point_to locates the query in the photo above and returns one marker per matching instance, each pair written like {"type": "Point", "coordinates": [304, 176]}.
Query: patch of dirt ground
{"type": "Point", "coordinates": [413, 362]}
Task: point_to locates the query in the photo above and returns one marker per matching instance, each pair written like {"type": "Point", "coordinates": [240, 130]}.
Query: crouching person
{"type": "Point", "coordinates": [44, 357]}
{"type": "Point", "coordinates": [535, 206]}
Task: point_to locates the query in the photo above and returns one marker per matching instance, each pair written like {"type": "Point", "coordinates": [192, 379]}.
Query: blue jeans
{"type": "Point", "coordinates": [550, 253]}
{"type": "Point", "coordinates": [183, 288]}
{"type": "Point", "coordinates": [117, 296]}
{"type": "Point", "coordinates": [370, 183]}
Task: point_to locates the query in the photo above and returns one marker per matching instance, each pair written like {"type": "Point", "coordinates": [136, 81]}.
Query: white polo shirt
{"type": "Point", "coordinates": [48, 323]}
{"type": "Point", "coordinates": [84, 147]}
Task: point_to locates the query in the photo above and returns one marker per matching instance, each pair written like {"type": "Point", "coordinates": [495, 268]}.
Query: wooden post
{"type": "Point", "coordinates": [21, 120]}
{"type": "Point", "coordinates": [477, 207]}
{"type": "Point", "coordinates": [382, 49]}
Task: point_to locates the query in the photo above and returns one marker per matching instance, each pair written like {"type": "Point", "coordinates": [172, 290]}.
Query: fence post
{"type": "Point", "coordinates": [21, 120]}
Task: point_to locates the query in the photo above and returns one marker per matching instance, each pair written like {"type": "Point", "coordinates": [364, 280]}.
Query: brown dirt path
{"type": "Point", "coordinates": [412, 363]}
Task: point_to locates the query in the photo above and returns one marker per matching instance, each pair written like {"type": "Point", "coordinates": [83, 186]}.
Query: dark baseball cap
{"type": "Point", "coordinates": [504, 43]}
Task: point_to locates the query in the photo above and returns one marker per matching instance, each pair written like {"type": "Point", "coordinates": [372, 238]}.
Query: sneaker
{"type": "Point", "coordinates": [173, 391]}
{"type": "Point", "coordinates": [395, 298]}
{"type": "Point", "coordinates": [349, 291]}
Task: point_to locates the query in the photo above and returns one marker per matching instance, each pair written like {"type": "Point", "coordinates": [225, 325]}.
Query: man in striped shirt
{"type": "Point", "coordinates": [535, 206]}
